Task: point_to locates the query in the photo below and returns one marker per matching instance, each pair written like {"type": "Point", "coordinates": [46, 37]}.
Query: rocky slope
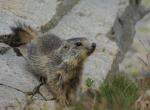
{"type": "Point", "coordinates": [109, 23]}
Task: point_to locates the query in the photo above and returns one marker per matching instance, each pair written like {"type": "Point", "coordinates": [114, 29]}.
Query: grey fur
{"type": "Point", "coordinates": [60, 62]}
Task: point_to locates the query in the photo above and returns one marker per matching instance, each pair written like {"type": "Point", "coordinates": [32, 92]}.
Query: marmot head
{"type": "Point", "coordinates": [76, 50]}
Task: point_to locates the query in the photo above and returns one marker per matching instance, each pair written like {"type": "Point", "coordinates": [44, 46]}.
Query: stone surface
{"type": "Point", "coordinates": [32, 12]}
{"type": "Point", "coordinates": [123, 30]}
{"type": "Point", "coordinates": [13, 70]}
{"type": "Point", "coordinates": [3, 48]}
{"type": "Point", "coordinates": [92, 19]}
{"type": "Point", "coordinates": [14, 73]}
{"type": "Point", "coordinates": [139, 48]}
{"type": "Point", "coordinates": [41, 105]}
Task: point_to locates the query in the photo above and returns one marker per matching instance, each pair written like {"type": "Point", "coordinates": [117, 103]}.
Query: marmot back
{"type": "Point", "coordinates": [44, 44]}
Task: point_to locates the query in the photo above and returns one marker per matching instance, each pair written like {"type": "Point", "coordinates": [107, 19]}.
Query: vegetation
{"type": "Point", "coordinates": [89, 82]}
{"type": "Point", "coordinates": [117, 92]}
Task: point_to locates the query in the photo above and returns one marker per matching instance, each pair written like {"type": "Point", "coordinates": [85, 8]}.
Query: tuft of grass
{"type": "Point", "coordinates": [119, 91]}
{"type": "Point", "coordinates": [89, 82]}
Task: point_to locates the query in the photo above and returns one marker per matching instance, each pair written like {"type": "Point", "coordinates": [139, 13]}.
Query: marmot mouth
{"type": "Point", "coordinates": [92, 49]}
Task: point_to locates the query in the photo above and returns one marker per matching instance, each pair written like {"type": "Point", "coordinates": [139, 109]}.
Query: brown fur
{"type": "Point", "coordinates": [59, 62]}
{"type": "Point", "coordinates": [21, 35]}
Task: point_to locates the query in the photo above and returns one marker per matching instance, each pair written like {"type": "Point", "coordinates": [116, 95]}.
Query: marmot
{"type": "Point", "coordinates": [60, 62]}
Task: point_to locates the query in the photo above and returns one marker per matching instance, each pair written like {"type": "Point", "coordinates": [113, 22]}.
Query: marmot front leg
{"type": "Point", "coordinates": [66, 97]}
{"type": "Point", "coordinates": [62, 99]}
{"type": "Point", "coordinates": [61, 96]}
{"type": "Point", "coordinates": [71, 96]}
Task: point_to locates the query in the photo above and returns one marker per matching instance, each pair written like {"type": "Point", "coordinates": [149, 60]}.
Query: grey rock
{"type": "Point", "coordinates": [62, 9]}
{"type": "Point", "coordinates": [92, 19]}
{"type": "Point", "coordinates": [123, 30]}
{"type": "Point", "coordinates": [13, 69]}
{"type": "Point", "coordinates": [36, 13]}
{"type": "Point", "coordinates": [139, 49]}
{"type": "Point", "coordinates": [3, 48]}
{"type": "Point", "coordinates": [13, 73]}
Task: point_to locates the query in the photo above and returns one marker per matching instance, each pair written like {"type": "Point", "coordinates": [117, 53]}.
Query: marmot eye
{"type": "Point", "coordinates": [66, 47]}
{"type": "Point", "coordinates": [78, 44]}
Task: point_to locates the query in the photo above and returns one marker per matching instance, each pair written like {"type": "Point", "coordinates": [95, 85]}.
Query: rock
{"type": "Point", "coordinates": [32, 12]}
{"type": "Point", "coordinates": [113, 31]}
{"type": "Point", "coordinates": [14, 73]}
{"type": "Point", "coordinates": [140, 47]}
{"type": "Point", "coordinates": [13, 70]}
{"type": "Point", "coordinates": [123, 30]}
{"type": "Point", "coordinates": [3, 48]}
{"type": "Point", "coordinates": [92, 19]}
{"type": "Point", "coordinates": [40, 105]}
{"type": "Point", "coordinates": [62, 9]}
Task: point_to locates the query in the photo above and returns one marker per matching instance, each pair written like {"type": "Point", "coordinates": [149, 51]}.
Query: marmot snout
{"type": "Point", "coordinates": [92, 49]}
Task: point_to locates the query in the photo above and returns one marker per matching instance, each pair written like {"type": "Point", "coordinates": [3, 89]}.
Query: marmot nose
{"type": "Point", "coordinates": [92, 48]}
{"type": "Point", "coordinates": [93, 45]}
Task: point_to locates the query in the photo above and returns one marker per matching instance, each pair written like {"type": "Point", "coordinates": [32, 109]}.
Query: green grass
{"type": "Point", "coordinates": [119, 91]}
{"type": "Point", "coordinates": [89, 82]}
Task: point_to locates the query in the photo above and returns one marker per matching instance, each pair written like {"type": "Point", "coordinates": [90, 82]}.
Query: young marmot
{"type": "Point", "coordinates": [59, 62]}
